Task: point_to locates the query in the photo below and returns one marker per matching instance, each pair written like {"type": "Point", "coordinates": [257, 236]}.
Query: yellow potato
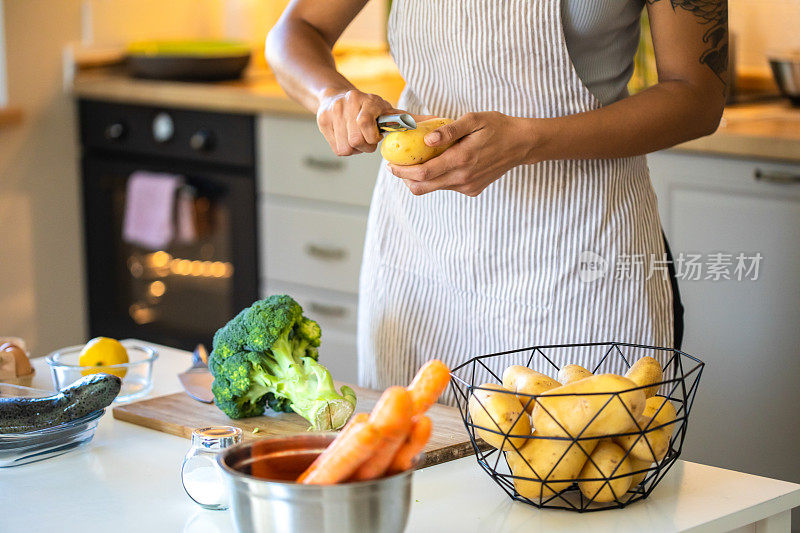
{"type": "Point", "coordinates": [608, 413]}
{"type": "Point", "coordinates": [522, 379]}
{"type": "Point", "coordinates": [546, 460]}
{"type": "Point", "coordinates": [637, 465]}
{"type": "Point", "coordinates": [409, 148]}
{"type": "Point", "coordinates": [654, 416]}
{"type": "Point", "coordinates": [499, 411]}
{"type": "Point", "coordinates": [569, 373]}
{"type": "Point", "coordinates": [607, 462]}
{"type": "Point", "coordinates": [651, 446]}
{"type": "Point", "coordinates": [661, 415]}
{"type": "Point", "coordinates": [644, 372]}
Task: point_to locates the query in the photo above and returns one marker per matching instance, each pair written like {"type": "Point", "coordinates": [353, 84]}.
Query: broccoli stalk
{"type": "Point", "coordinates": [267, 356]}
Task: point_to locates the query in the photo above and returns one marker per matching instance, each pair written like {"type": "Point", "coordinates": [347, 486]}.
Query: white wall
{"type": "Point", "coordinates": [761, 26]}
{"type": "Point", "coordinates": [117, 22]}
{"type": "Point", "coordinates": [41, 254]}
{"type": "Point", "coordinates": [41, 287]}
{"type": "Point", "coordinates": [3, 88]}
{"type": "Point", "coordinates": [121, 21]}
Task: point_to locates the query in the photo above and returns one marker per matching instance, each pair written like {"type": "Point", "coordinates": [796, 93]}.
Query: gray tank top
{"type": "Point", "coordinates": [602, 37]}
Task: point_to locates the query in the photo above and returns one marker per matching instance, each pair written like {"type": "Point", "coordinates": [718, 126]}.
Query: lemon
{"type": "Point", "coordinates": [101, 352]}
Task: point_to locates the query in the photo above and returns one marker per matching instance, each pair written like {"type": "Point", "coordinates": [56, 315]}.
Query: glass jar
{"type": "Point", "coordinates": [200, 475]}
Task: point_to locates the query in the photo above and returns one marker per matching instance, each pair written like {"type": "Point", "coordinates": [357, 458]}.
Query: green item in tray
{"type": "Point", "coordinates": [189, 48]}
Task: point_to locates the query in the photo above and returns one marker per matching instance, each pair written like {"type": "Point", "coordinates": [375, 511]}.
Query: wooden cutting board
{"type": "Point", "coordinates": [178, 414]}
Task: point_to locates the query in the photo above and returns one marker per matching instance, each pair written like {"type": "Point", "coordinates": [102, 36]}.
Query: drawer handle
{"type": "Point", "coordinates": [327, 253]}
{"type": "Point", "coordinates": [318, 163]}
{"type": "Point", "coordinates": [776, 177]}
{"type": "Point", "coordinates": [337, 311]}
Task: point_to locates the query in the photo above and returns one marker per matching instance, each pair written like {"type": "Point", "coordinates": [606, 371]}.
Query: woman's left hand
{"type": "Point", "coordinates": [487, 145]}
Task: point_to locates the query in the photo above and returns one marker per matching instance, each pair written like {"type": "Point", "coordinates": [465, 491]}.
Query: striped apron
{"type": "Point", "coordinates": [449, 276]}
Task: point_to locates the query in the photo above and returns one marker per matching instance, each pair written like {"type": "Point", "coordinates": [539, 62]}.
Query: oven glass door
{"type": "Point", "coordinates": [179, 293]}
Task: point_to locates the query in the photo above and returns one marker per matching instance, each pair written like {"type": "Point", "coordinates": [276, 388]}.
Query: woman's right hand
{"type": "Point", "coordinates": [347, 119]}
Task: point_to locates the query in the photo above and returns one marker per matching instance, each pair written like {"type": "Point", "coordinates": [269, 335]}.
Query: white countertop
{"type": "Point", "coordinates": [127, 480]}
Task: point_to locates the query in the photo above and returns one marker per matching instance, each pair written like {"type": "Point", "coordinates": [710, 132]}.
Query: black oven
{"type": "Point", "coordinates": [181, 289]}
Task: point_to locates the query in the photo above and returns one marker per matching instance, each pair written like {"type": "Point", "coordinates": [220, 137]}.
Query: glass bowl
{"type": "Point", "coordinates": [136, 374]}
{"type": "Point", "coordinates": [30, 446]}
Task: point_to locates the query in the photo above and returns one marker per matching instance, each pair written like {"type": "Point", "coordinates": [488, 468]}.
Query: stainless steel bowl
{"type": "Point", "coordinates": [786, 71]}
{"type": "Point", "coordinates": [259, 505]}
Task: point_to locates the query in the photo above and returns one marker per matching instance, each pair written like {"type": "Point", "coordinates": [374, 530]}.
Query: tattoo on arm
{"type": "Point", "coordinates": [714, 15]}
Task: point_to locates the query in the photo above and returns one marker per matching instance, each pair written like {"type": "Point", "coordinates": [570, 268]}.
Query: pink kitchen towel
{"type": "Point", "coordinates": [150, 209]}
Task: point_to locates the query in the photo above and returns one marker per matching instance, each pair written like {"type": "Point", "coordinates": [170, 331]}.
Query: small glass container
{"type": "Point", "coordinates": [137, 374]}
{"type": "Point", "coordinates": [201, 477]}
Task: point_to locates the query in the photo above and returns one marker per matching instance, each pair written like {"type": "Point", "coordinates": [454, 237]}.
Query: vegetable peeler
{"type": "Point", "coordinates": [401, 122]}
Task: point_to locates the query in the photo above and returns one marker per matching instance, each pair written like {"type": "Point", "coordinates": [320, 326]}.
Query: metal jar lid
{"type": "Point", "coordinates": [216, 437]}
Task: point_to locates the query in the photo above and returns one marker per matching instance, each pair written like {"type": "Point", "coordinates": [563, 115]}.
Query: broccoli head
{"type": "Point", "coordinates": [267, 356]}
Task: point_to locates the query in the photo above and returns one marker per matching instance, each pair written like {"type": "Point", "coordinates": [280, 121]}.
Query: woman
{"type": "Point", "coordinates": [494, 245]}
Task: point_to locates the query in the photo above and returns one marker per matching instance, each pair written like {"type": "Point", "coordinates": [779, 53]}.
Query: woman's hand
{"type": "Point", "coordinates": [347, 120]}
{"type": "Point", "coordinates": [487, 145]}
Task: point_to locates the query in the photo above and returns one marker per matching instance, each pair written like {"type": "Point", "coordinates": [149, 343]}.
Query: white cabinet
{"type": "Point", "coordinates": [311, 245]}
{"type": "Point", "coordinates": [747, 412]}
{"type": "Point", "coordinates": [336, 314]}
{"type": "Point", "coordinates": [313, 210]}
{"type": "Point", "coordinates": [296, 161]}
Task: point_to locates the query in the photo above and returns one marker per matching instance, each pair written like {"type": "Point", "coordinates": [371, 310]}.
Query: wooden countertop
{"type": "Point", "coordinates": [768, 130]}
{"type": "Point", "coordinates": [257, 92]}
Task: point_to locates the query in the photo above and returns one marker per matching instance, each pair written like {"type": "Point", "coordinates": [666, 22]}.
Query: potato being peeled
{"type": "Point", "coordinates": [408, 147]}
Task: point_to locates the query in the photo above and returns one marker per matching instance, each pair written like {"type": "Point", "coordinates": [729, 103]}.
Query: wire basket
{"type": "Point", "coordinates": [553, 483]}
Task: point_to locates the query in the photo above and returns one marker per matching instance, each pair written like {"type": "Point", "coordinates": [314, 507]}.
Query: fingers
{"type": "Point", "coordinates": [450, 133]}
{"type": "Point", "coordinates": [369, 136]}
{"type": "Point", "coordinates": [456, 169]}
{"type": "Point", "coordinates": [342, 137]}
{"type": "Point", "coordinates": [348, 121]}
{"type": "Point", "coordinates": [438, 173]}
{"type": "Point", "coordinates": [458, 182]}
{"type": "Point", "coordinates": [457, 158]}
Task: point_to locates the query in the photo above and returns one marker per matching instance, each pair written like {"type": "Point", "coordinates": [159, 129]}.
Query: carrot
{"type": "Point", "coordinates": [417, 440]}
{"type": "Point", "coordinates": [393, 411]}
{"type": "Point", "coordinates": [379, 463]}
{"type": "Point", "coordinates": [355, 447]}
{"type": "Point", "coordinates": [429, 383]}
{"type": "Point", "coordinates": [356, 419]}
{"type": "Point", "coordinates": [392, 418]}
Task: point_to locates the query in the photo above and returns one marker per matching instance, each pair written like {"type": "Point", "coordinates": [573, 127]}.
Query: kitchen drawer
{"type": "Point", "coordinates": [295, 160]}
{"type": "Point", "coordinates": [312, 247]}
{"type": "Point", "coordinates": [332, 310]}
{"type": "Point", "coordinates": [671, 168]}
{"type": "Point", "coordinates": [338, 354]}
{"type": "Point", "coordinates": [336, 314]}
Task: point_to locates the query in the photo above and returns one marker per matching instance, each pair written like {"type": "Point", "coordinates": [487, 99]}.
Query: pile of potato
{"type": "Point", "coordinates": [578, 405]}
